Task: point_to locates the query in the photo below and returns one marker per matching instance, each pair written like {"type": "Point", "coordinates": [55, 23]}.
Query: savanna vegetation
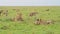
{"type": "Point", "coordinates": [29, 19]}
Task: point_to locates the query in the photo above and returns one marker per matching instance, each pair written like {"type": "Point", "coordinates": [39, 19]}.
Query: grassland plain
{"type": "Point", "coordinates": [27, 26]}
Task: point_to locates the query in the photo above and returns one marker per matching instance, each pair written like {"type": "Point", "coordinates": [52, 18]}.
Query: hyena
{"type": "Point", "coordinates": [5, 12]}
{"type": "Point", "coordinates": [18, 17]}
{"type": "Point", "coordinates": [33, 13]}
{"type": "Point", "coordinates": [41, 21]}
{"type": "Point", "coordinates": [1, 11]}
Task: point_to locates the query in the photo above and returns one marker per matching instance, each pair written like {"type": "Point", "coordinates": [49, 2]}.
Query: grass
{"type": "Point", "coordinates": [27, 26]}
